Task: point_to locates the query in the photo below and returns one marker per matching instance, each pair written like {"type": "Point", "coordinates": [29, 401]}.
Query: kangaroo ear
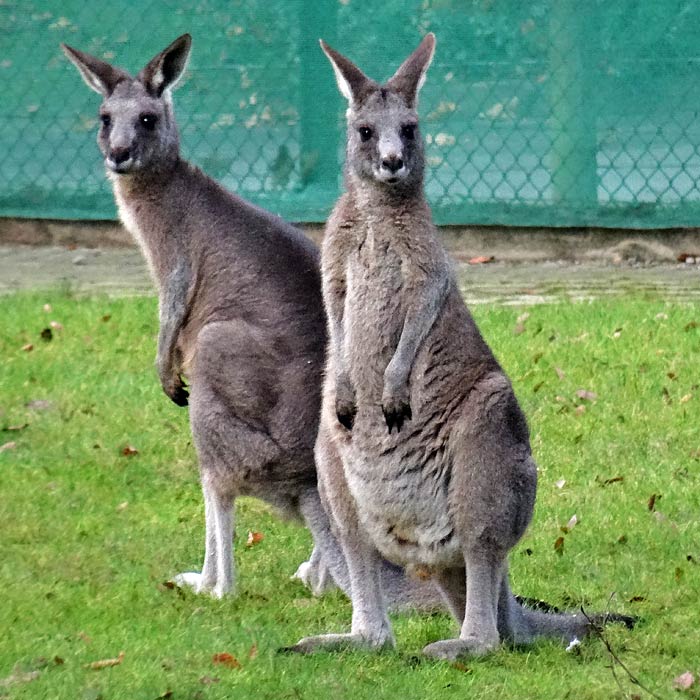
{"type": "Point", "coordinates": [410, 76]}
{"type": "Point", "coordinates": [352, 82]}
{"type": "Point", "coordinates": [164, 70]}
{"type": "Point", "coordinates": [98, 75]}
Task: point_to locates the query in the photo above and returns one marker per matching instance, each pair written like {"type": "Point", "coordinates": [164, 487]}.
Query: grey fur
{"type": "Point", "coordinates": [241, 316]}
{"type": "Point", "coordinates": [423, 452]}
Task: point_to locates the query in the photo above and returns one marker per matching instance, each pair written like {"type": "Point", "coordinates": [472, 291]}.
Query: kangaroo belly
{"type": "Point", "coordinates": [403, 503]}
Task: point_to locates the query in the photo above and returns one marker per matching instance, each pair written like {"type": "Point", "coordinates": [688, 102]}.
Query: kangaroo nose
{"type": "Point", "coordinates": [392, 163]}
{"type": "Point", "coordinates": [119, 155]}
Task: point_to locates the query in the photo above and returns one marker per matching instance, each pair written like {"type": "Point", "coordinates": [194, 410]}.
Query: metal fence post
{"type": "Point", "coordinates": [574, 142]}
{"type": "Point", "coordinates": [320, 129]}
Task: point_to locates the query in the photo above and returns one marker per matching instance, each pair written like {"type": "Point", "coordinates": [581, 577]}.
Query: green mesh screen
{"type": "Point", "coordinates": [547, 113]}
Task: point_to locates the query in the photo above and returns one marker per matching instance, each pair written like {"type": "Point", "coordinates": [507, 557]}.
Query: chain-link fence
{"type": "Point", "coordinates": [550, 112]}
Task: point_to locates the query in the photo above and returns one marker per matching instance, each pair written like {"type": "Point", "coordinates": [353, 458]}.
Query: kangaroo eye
{"type": "Point", "coordinates": [365, 133]}
{"type": "Point", "coordinates": [106, 120]}
{"type": "Point", "coordinates": [148, 121]}
{"type": "Point", "coordinates": [408, 131]}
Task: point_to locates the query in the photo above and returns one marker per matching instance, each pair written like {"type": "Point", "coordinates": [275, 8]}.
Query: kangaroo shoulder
{"type": "Point", "coordinates": [341, 233]}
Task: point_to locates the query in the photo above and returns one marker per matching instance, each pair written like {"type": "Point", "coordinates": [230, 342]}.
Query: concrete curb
{"type": "Point", "coordinates": [505, 244]}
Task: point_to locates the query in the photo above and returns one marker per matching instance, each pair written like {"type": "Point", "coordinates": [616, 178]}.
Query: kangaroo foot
{"type": "Point", "coordinates": [452, 649]}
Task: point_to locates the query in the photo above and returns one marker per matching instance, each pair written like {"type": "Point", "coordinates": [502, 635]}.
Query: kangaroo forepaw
{"type": "Point", "coordinates": [453, 649]}
{"type": "Point", "coordinates": [175, 390]}
{"type": "Point", "coordinates": [346, 414]}
{"type": "Point", "coordinates": [180, 396]}
{"type": "Point", "coordinates": [338, 642]}
{"type": "Point", "coordinates": [395, 412]}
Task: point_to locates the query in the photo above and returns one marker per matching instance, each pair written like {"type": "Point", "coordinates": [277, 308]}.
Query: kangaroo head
{"type": "Point", "coordinates": [138, 132]}
{"type": "Point", "coordinates": [384, 143]}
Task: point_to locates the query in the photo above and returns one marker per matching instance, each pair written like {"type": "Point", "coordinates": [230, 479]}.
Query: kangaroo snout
{"type": "Point", "coordinates": [392, 163]}
{"type": "Point", "coordinates": [119, 155]}
{"type": "Point", "coordinates": [119, 159]}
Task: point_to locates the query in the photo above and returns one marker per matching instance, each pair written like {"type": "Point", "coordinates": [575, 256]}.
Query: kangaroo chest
{"type": "Point", "coordinates": [374, 310]}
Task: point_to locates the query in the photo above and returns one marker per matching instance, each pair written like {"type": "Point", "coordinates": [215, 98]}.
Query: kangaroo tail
{"type": "Point", "coordinates": [522, 620]}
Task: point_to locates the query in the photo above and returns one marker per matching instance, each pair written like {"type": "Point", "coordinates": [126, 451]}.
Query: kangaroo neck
{"type": "Point", "coordinates": [379, 205]}
{"type": "Point", "coordinates": [378, 199]}
{"type": "Point", "coordinates": [151, 206]}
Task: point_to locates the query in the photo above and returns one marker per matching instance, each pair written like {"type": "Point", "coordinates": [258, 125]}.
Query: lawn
{"type": "Point", "coordinates": [100, 506]}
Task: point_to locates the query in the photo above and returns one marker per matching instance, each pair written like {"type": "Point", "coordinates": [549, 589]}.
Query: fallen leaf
{"type": "Point", "coordinates": [122, 506]}
{"type": "Point", "coordinates": [47, 308]}
{"type": "Point", "coordinates": [8, 446]}
{"type": "Point", "coordinates": [56, 325]}
{"type": "Point", "coordinates": [575, 642]}
{"type": "Point", "coordinates": [226, 659]}
{"type": "Point", "coordinates": [651, 503]}
{"type": "Point", "coordinates": [678, 574]}
{"type": "Point", "coordinates": [208, 680]}
{"type": "Point", "coordinates": [671, 375]}
{"type": "Point", "coordinates": [686, 398]}
{"type": "Point", "coordinates": [105, 663]}
{"type": "Point", "coordinates": [586, 395]}
{"type": "Point", "coordinates": [106, 318]}
{"type": "Point", "coordinates": [560, 484]}
{"type": "Point", "coordinates": [684, 682]}
{"type": "Point", "coordinates": [559, 546]}
{"type": "Point", "coordinates": [481, 259]}
{"type": "Point", "coordinates": [85, 637]}
{"type": "Point", "coordinates": [459, 666]}
{"type": "Point", "coordinates": [617, 333]}
{"type": "Point", "coordinates": [611, 480]}
{"type": "Point", "coordinates": [570, 525]}
{"type": "Point", "coordinates": [46, 334]}
{"type": "Point", "coordinates": [28, 347]}
{"type": "Point", "coordinates": [129, 451]}
{"type": "Point", "coordinates": [19, 676]}
{"type": "Point", "coordinates": [254, 538]}
{"type": "Point", "coordinates": [39, 405]}
{"type": "Point", "coordinates": [18, 427]}
{"type": "Point", "coordinates": [580, 410]}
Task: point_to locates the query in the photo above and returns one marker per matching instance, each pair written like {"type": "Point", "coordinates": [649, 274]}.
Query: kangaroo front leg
{"type": "Point", "coordinates": [420, 317]}
{"type": "Point", "coordinates": [173, 315]}
{"type": "Point", "coordinates": [479, 633]}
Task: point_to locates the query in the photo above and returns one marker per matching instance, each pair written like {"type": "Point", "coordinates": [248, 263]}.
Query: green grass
{"type": "Point", "coordinates": [89, 535]}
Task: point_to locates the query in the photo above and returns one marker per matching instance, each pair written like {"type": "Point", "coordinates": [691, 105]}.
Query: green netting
{"type": "Point", "coordinates": [548, 113]}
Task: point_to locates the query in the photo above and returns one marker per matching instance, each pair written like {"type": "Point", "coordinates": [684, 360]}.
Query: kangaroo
{"type": "Point", "coordinates": [423, 452]}
{"type": "Point", "coordinates": [241, 317]}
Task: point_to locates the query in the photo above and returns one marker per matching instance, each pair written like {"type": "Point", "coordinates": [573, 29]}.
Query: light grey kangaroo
{"type": "Point", "coordinates": [241, 316]}
{"type": "Point", "coordinates": [423, 452]}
